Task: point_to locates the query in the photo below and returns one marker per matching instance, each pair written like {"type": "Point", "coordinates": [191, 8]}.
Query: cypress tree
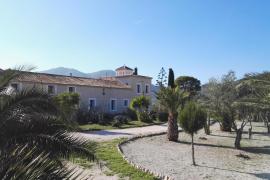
{"type": "Point", "coordinates": [171, 79]}
{"type": "Point", "coordinates": [135, 71]}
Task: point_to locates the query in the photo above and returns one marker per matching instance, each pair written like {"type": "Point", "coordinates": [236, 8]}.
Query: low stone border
{"type": "Point", "coordinates": [161, 176]}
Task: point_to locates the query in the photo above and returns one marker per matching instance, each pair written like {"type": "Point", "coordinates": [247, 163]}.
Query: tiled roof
{"type": "Point", "coordinates": [69, 80]}
{"type": "Point", "coordinates": [124, 68]}
{"type": "Point", "coordinates": [116, 77]}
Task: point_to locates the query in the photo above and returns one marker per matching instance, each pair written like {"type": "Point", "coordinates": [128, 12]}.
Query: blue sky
{"type": "Point", "coordinates": [202, 38]}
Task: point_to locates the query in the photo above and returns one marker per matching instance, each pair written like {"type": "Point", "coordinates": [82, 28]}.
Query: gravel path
{"type": "Point", "coordinates": [215, 156]}
{"type": "Point", "coordinates": [97, 173]}
{"type": "Point", "coordinates": [107, 135]}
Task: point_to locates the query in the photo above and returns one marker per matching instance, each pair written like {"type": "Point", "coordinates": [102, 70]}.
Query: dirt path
{"type": "Point", "coordinates": [107, 135]}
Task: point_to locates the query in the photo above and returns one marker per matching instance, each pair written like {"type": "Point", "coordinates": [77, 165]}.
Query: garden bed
{"type": "Point", "coordinates": [130, 124]}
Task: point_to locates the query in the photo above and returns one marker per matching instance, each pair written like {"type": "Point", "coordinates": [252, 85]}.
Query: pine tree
{"type": "Point", "coordinates": [192, 118]}
{"type": "Point", "coordinates": [162, 78]}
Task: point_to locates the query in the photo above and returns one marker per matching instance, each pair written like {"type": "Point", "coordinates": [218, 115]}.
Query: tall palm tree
{"type": "Point", "coordinates": [171, 99]}
{"type": "Point", "coordinates": [34, 141]}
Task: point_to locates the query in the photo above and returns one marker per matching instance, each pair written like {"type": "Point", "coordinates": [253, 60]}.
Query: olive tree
{"type": "Point", "coordinates": [219, 98]}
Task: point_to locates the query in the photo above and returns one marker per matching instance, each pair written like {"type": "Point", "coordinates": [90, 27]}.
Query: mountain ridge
{"type": "Point", "coordinates": [67, 71]}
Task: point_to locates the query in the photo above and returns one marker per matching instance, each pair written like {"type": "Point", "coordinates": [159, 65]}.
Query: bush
{"type": "Point", "coordinates": [108, 117]}
{"type": "Point", "coordinates": [121, 118]}
{"type": "Point", "coordinates": [153, 115]}
{"type": "Point", "coordinates": [84, 116]}
{"type": "Point", "coordinates": [116, 123]}
{"type": "Point", "coordinates": [144, 117]}
{"type": "Point", "coordinates": [163, 116]}
{"type": "Point", "coordinates": [131, 114]}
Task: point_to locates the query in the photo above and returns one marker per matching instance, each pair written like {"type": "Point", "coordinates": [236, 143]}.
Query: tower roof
{"type": "Point", "coordinates": [124, 68]}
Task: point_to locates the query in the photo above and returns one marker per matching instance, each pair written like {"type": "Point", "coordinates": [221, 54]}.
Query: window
{"type": "Point", "coordinates": [15, 86]}
{"type": "Point", "coordinates": [92, 103]}
{"type": "Point", "coordinates": [51, 89]}
{"type": "Point", "coordinates": [139, 88]}
{"type": "Point", "coordinates": [113, 104]}
{"type": "Point", "coordinates": [146, 89]}
{"type": "Point", "coordinates": [126, 102]}
{"type": "Point", "coordinates": [71, 89]}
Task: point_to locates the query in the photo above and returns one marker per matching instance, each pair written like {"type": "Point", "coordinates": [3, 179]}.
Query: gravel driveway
{"type": "Point", "coordinates": [107, 135]}
{"type": "Point", "coordinates": [215, 156]}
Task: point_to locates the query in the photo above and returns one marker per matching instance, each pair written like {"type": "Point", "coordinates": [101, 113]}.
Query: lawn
{"type": "Point", "coordinates": [107, 152]}
{"type": "Point", "coordinates": [130, 124]}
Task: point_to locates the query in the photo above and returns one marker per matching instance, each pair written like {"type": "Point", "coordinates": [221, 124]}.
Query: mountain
{"type": "Point", "coordinates": [102, 73]}
{"type": "Point", "coordinates": [75, 72]}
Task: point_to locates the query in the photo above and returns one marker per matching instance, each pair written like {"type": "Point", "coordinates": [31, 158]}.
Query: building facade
{"type": "Point", "coordinates": [109, 94]}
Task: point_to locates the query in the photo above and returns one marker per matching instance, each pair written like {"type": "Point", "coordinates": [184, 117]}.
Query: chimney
{"type": "Point", "coordinates": [70, 74]}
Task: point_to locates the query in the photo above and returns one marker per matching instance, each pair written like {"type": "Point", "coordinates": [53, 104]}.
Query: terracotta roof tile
{"type": "Point", "coordinates": [69, 80]}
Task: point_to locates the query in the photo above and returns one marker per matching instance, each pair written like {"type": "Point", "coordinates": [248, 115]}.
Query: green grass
{"type": "Point", "coordinates": [108, 152]}
{"type": "Point", "coordinates": [82, 162]}
{"type": "Point", "coordinates": [130, 124]}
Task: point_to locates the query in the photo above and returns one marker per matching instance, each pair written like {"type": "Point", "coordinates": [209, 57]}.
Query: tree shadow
{"type": "Point", "coordinates": [257, 150]}
{"type": "Point", "coordinates": [208, 145]}
{"type": "Point", "coordinates": [262, 175]}
{"type": "Point", "coordinates": [106, 133]}
{"type": "Point", "coordinates": [233, 137]}
{"type": "Point", "coordinates": [259, 175]}
{"type": "Point", "coordinates": [262, 133]}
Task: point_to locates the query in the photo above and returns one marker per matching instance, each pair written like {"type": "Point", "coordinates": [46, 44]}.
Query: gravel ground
{"type": "Point", "coordinates": [96, 172]}
{"type": "Point", "coordinates": [107, 135]}
{"type": "Point", "coordinates": [215, 156]}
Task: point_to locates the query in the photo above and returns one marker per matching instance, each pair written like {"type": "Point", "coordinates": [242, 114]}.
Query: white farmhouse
{"type": "Point", "coordinates": [110, 94]}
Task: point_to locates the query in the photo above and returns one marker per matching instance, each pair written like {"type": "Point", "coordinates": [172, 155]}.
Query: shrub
{"type": "Point", "coordinates": [108, 117]}
{"type": "Point", "coordinates": [121, 118]}
{"type": "Point", "coordinates": [153, 115]}
{"type": "Point", "coordinates": [163, 116]}
{"type": "Point", "coordinates": [131, 114]}
{"type": "Point", "coordinates": [116, 123]}
{"type": "Point", "coordinates": [82, 116]}
{"type": "Point", "coordinates": [144, 117]}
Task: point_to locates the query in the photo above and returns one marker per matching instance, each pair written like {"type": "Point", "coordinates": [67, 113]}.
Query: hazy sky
{"type": "Point", "coordinates": [202, 38]}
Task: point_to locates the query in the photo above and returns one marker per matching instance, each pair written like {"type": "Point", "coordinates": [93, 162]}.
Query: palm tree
{"type": "Point", "coordinates": [34, 141]}
{"type": "Point", "coordinates": [171, 99]}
